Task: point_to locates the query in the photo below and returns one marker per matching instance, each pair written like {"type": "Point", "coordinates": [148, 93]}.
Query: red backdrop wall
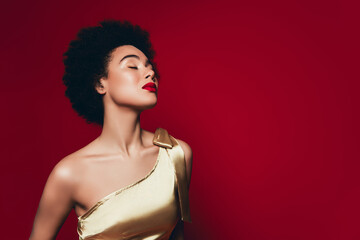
{"type": "Point", "coordinates": [265, 93]}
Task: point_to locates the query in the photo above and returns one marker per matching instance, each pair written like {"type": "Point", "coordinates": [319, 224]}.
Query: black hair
{"type": "Point", "coordinates": [87, 58]}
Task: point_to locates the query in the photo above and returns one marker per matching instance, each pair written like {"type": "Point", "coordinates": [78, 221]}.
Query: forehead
{"type": "Point", "coordinates": [124, 50]}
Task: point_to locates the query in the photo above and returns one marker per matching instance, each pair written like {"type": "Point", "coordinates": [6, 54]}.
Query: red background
{"type": "Point", "coordinates": [265, 93]}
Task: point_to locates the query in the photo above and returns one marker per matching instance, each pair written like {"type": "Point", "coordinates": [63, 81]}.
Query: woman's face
{"type": "Point", "coordinates": [128, 71]}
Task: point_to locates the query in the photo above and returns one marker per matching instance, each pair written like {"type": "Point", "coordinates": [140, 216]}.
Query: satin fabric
{"type": "Point", "coordinates": [147, 209]}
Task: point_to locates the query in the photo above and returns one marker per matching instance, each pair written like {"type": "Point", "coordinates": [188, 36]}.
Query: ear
{"type": "Point", "coordinates": [100, 87]}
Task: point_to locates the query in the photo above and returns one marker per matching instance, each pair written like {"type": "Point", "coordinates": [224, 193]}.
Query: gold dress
{"type": "Point", "coordinates": [147, 209]}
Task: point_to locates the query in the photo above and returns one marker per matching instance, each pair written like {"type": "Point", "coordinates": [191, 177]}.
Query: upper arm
{"type": "Point", "coordinates": [55, 204]}
{"type": "Point", "coordinates": [188, 158]}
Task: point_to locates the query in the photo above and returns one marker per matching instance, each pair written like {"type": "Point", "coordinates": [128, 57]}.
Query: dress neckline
{"type": "Point", "coordinates": [116, 192]}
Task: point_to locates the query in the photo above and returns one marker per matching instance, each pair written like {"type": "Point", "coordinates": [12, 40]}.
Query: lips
{"type": "Point", "coordinates": [150, 86]}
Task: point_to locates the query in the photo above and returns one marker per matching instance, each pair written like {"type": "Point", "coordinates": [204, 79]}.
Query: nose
{"type": "Point", "coordinates": [150, 74]}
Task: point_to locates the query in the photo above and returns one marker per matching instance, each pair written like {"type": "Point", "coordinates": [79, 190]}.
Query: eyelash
{"type": "Point", "coordinates": [154, 78]}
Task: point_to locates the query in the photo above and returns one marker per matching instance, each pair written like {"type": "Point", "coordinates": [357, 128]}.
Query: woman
{"type": "Point", "coordinates": [128, 183]}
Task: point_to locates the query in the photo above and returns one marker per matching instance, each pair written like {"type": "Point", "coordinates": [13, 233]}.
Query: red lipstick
{"type": "Point", "coordinates": [150, 86]}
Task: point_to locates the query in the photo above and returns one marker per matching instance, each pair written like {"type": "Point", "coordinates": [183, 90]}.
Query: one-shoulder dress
{"type": "Point", "coordinates": [147, 209]}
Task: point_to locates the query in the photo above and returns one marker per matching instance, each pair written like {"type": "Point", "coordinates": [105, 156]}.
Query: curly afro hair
{"type": "Point", "coordinates": [87, 58]}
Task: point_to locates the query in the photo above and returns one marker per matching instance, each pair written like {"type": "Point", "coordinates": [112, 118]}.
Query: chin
{"type": "Point", "coordinates": [152, 105]}
{"type": "Point", "coordinates": [148, 105]}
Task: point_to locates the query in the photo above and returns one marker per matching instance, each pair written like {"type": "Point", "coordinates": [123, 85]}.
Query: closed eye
{"type": "Point", "coordinates": [133, 67]}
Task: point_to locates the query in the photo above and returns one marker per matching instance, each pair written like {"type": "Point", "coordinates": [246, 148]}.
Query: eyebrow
{"type": "Point", "coordinates": [136, 56]}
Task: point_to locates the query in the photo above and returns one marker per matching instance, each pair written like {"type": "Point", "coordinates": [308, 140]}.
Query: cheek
{"type": "Point", "coordinates": [123, 87]}
{"type": "Point", "coordinates": [122, 80]}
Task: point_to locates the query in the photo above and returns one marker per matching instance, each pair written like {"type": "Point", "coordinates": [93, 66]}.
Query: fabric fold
{"type": "Point", "coordinates": [176, 153]}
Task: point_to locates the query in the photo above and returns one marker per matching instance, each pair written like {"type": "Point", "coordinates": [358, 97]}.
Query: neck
{"type": "Point", "coordinates": [121, 132]}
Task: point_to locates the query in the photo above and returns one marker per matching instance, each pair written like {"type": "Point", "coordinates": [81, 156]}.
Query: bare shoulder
{"type": "Point", "coordinates": [65, 171]}
{"type": "Point", "coordinates": [56, 201]}
{"type": "Point", "coordinates": [68, 169]}
{"type": "Point", "coordinates": [65, 177]}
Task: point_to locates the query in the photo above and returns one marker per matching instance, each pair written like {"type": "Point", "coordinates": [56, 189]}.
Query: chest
{"type": "Point", "coordinates": [146, 207]}
{"type": "Point", "coordinates": [99, 177]}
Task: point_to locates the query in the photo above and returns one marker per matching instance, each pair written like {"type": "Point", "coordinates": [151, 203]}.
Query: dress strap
{"type": "Point", "coordinates": [176, 154]}
{"type": "Point", "coordinates": [162, 138]}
